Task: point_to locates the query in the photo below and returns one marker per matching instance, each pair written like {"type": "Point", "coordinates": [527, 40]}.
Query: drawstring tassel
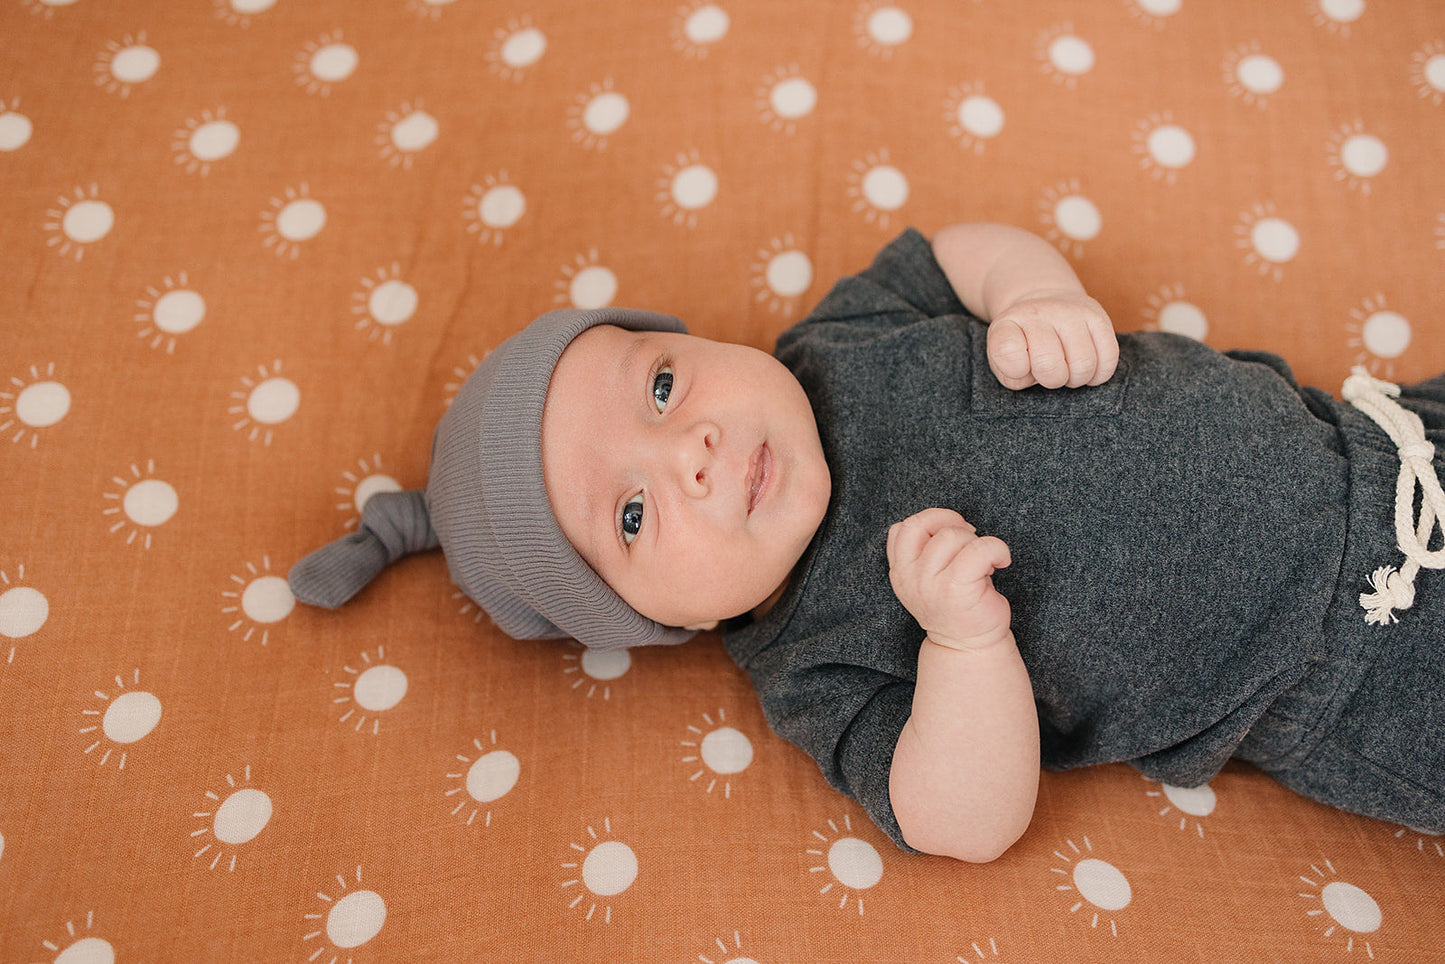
{"type": "Point", "coordinates": [1392, 591]}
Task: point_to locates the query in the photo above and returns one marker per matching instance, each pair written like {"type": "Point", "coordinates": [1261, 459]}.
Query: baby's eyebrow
{"type": "Point", "coordinates": [629, 358]}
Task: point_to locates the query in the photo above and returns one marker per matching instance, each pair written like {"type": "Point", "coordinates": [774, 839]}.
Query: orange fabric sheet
{"type": "Point", "coordinates": [252, 246]}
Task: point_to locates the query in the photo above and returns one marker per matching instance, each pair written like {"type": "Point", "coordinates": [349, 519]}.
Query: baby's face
{"type": "Point", "coordinates": [686, 472]}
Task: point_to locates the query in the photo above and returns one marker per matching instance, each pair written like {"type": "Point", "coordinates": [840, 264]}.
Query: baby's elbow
{"type": "Point", "coordinates": [973, 848]}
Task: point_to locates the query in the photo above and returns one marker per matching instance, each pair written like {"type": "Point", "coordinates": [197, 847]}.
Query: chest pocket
{"type": "Point", "coordinates": [989, 399]}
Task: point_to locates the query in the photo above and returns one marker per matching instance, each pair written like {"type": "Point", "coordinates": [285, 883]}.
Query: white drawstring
{"type": "Point", "coordinates": [1396, 590]}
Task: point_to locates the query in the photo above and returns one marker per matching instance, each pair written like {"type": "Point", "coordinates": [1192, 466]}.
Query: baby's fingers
{"type": "Point", "coordinates": [1008, 354]}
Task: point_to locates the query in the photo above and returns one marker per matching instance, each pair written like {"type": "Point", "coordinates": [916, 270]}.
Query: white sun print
{"type": "Point", "coordinates": [230, 818]}
{"type": "Point", "coordinates": [76, 949]}
{"type": "Point", "coordinates": [596, 114]}
{"type": "Point", "coordinates": [15, 127]}
{"type": "Point", "coordinates": [263, 401]}
{"type": "Point", "coordinates": [1379, 335]}
{"type": "Point", "coordinates": [1155, 13]}
{"type": "Point", "coordinates": [1163, 147]}
{"type": "Point", "coordinates": [844, 864]}
{"type": "Point", "coordinates": [136, 506]}
{"type": "Point", "coordinates": [1190, 805]}
{"type": "Point", "coordinates": [715, 753]}
{"type": "Point", "coordinates": [1340, 908]}
{"type": "Point", "coordinates": [371, 692]}
{"type": "Point", "coordinates": [1356, 157]}
{"type": "Point", "coordinates": [120, 720]}
{"type": "Point", "coordinates": [877, 188]}
{"type": "Point", "coordinates": [730, 951]}
{"type": "Point", "coordinates": [429, 9]}
{"type": "Point", "coordinates": [23, 609]}
{"type": "Point", "coordinates": [686, 187]}
{"type": "Point", "coordinates": [383, 303]}
{"type": "Point", "coordinates": [974, 118]}
{"type": "Point", "coordinates": [360, 485]}
{"type": "Point", "coordinates": [78, 220]}
{"type": "Point", "coordinates": [982, 950]}
{"type": "Point", "coordinates": [204, 140]}
{"type": "Point", "coordinates": [698, 27]}
{"type": "Point", "coordinates": [599, 869]}
{"type": "Point", "coordinates": [46, 8]}
{"type": "Point", "coordinates": [1070, 219]}
{"type": "Point", "coordinates": [487, 774]}
{"type": "Point", "coordinates": [1251, 75]}
{"type": "Point", "coordinates": [28, 405]}
{"type": "Point", "coordinates": [514, 48]}
{"type": "Point", "coordinates": [322, 63]}
{"type": "Point", "coordinates": [785, 97]}
{"type": "Point", "coordinates": [256, 600]}
{"type": "Point", "coordinates": [238, 13]}
{"type": "Point", "coordinates": [404, 133]}
{"type": "Point", "coordinates": [125, 63]}
{"type": "Point", "coordinates": [1422, 840]}
{"type": "Point", "coordinates": [345, 920]}
{"type": "Point", "coordinates": [1094, 886]}
{"type": "Point", "coordinates": [780, 274]}
{"type": "Point", "coordinates": [882, 27]}
{"type": "Point", "coordinates": [493, 207]}
{"type": "Point", "coordinates": [1167, 310]}
{"type": "Point", "coordinates": [1269, 241]}
{"type": "Point", "coordinates": [585, 283]}
{"type": "Point", "coordinates": [595, 671]}
{"type": "Point", "coordinates": [166, 312]}
{"type": "Point", "coordinates": [1063, 55]}
{"type": "Point", "coordinates": [292, 219]}
{"type": "Point", "coordinates": [1427, 74]}
{"type": "Point", "coordinates": [1336, 16]}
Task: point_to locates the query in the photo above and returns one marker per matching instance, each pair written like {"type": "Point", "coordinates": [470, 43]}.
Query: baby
{"type": "Point", "coordinates": [956, 528]}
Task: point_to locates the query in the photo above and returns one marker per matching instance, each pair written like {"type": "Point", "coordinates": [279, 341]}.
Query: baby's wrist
{"type": "Point", "coordinates": [977, 643]}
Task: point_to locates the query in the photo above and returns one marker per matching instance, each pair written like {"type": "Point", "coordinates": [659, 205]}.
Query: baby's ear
{"type": "Point", "coordinates": [702, 627]}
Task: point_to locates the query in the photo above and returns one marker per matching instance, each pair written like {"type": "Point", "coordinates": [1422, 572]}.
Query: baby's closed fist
{"type": "Point", "coordinates": [940, 569]}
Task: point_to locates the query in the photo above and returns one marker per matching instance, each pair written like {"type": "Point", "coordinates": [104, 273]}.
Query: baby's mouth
{"type": "Point", "coordinates": [760, 469]}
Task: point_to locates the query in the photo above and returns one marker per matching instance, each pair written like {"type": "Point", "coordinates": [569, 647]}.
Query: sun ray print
{"type": "Point", "coordinates": [595, 671]}
{"type": "Point", "coordinates": [716, 753]}
{"type": "Point", "coordinates": [23, 609]}
{"type": "Point", "coordinates": [140, 504]}
{"type": "Point", "coordinates": [1187, 804]}
{"type": "Point", "coordinates": [1344, 909]}
{"type": "Point", "coordinates": [258, 600]}
{"type": "Point", "coordinates": [604, 868]}
{"type": "Point", "coordinates": [263, 402]}
{"type": "Point", "coordinates": [359, 485]}
{"type": "Point", "coordinates": [80, 946]}
{"type": "Point", "coordinates": [233, 817]}
{"type": "Point", "coordinates": [345, 921]}
{"type": "Point", "coordinates": [78, 220]}
{"type": "Point", "coordinates": [1092, 885]}
{"type": "Point", "coordinates": [845, 862]}
{"type": "Point", "coordinates": [29, 405]}
{"type": "Point", "coordinates": [165, 313]}
{"type": "Point", "coordinates": [125, 718]}
{"type": "Point", "coordinates": [373, 690]}
{"type": "Point", "coordinates": [485, 777]}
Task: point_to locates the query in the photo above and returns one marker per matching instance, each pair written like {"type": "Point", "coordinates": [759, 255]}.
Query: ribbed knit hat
{"type": "Point", "coordinates": [486, 505]}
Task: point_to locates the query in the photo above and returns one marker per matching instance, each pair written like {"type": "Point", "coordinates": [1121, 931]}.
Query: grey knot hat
{"type": "Point", "coordinates": [485, 505]}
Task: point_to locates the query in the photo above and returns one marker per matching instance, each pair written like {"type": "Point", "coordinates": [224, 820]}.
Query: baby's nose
{"type": "Point", "coordinates": [695, 453]}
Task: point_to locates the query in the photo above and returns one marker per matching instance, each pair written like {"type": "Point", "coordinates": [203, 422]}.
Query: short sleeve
{"type": "Point", "coordinates": [847, 718]}
{"type": "Point", "coordinates": [904, 284]}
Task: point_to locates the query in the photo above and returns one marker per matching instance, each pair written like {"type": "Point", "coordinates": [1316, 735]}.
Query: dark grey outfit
{"type": "Point", "coordinates": [1189, 542]}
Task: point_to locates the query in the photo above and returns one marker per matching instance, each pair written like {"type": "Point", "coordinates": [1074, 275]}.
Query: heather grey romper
{"type": "Point", "coordinates": [1189, 543]}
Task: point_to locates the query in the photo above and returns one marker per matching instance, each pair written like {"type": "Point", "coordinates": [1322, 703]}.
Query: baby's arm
{"type": "Point", "coordinates": [965, 771]}
{"type": "Point", "coordinates": [1043, 328]}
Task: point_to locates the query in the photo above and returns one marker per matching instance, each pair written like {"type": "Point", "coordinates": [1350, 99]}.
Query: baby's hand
{"type": "Point", "coordinates": [940, 568]}
{"type": "Point", "coordinates": [1053, 339]}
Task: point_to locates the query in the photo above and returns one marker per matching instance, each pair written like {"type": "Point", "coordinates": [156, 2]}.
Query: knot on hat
{"type": "Point", "coordinates": [393, 524]}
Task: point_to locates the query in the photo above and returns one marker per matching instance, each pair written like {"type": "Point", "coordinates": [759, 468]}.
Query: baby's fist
{"type": "Point", "coordinates": [940, 569]}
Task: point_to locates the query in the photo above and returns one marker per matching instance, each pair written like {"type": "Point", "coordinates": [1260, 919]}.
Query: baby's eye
{"type": "Point", "coordinates": [631, 519]}
{"type": "Point", "coordinates": [661, 388]}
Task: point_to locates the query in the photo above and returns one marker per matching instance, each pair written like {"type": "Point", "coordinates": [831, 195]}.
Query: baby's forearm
{"type": "Point", "coordinates": [993, 266]}
{"type": "Point", "coordinates": [965, 771]}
